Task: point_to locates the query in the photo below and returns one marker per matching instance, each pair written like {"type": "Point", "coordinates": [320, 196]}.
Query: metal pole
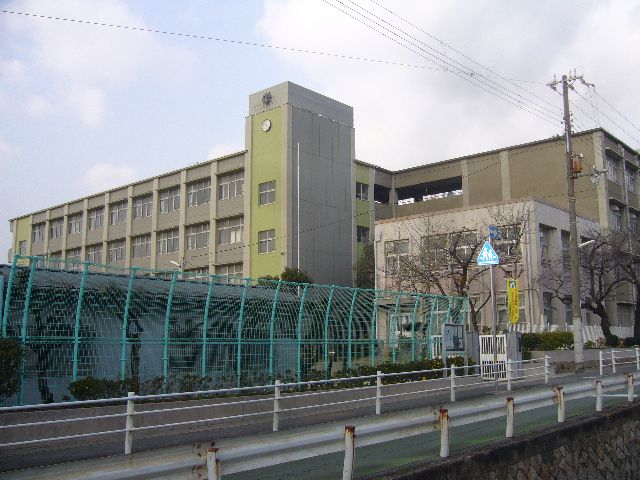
{"type": "Point", "coordinates": [125, 321]}
{"type": "Point", "coordinates": [276, 406]}
{"type": "Point", "coordinates": [272, 328]}
{"type": "Point", "coordinates": [509, 372]}
{"type": "Point", "coordinates": [546, 369]}
{"type": "Point", "coordinates": [326, 333]}
{"type": "Point", "coordinates": [239, 333]}
{"type": "Point", "coordinates": [413, 328]}
{"type": "Point", "coordinates": [7, 300]}
{"type": "Point", "coordinates": [599, 395]}
{"type": "Point", "coordinates": [434, 301]}
{"type": "Point", "coordinates": [613, 360]}
{"type": "Point", "coordinates": [165, 337]}
{"type": "Point", "coordinates": [349, 452]}
{"type": "Point", "coordinates": [630, 387]}
{"type": "Point", "coordinates": [637, 358]}
{"type": "Point", "coordinates": [395, 325]}
{"type": "Point", "coordinates": [444, 432]}
{"type": "Point", "coordinates": [76, 326]}
{"type": "Point", "coordinates": [299, 336]}
{"type": "Point", "coordinates": [128, 435]}
{"type": "Point", "coordinates": [23, 333]}
{"type": "Point", "coordinates": [600, 362]}
{"type": "Point", "coordinates": [205, 327]}
{"type": "Point", "coordinates": [374, 328]}
{"type": "Point", "coordinates": [560, 398]}
{"type": "Point", "coordinates": [378, 392]}
{"type": "Point", "coordinates": [213, 464]}
{"type": "Point", "coordinates": [298, 205]}
{"type": "Point", "coordinates": [510, 418]}
{"type": "Point", "coordinates": [349, 328]}
{"type": "Point", "coordinates": [493, 329]}
{"type": "Point", "coordinates": [453, 383]}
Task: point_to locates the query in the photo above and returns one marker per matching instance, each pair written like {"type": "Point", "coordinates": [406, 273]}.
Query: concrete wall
{"type": "Point", "coordinates": [601, 446]}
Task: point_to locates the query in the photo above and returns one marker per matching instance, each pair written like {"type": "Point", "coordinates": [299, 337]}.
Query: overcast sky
{"type": "Point", "coordinates": [86, 107]}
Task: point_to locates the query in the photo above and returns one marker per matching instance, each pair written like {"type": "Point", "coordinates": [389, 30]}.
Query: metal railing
{"type": "Point", "coordinates": [615, 358]}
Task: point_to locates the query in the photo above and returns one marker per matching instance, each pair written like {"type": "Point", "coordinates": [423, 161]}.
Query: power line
{"type": "Point", "coordinates": [614, 109]}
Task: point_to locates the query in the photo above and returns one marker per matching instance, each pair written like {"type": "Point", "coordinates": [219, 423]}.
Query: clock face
{"type": "Point", "coordinates": [266, 125]}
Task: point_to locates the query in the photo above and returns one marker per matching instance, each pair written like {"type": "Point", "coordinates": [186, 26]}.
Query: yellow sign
{"type": "Point", "coordinates": [513, 299]}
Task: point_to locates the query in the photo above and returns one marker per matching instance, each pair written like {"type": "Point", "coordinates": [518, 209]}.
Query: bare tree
{"type": "Point", "coordinates": [630, 266]}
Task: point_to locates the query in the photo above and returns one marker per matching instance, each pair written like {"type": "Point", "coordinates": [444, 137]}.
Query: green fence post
{"type": "Point", "coordinates": [434, 301]}
{"type": "Point", "coordinates": [395, 324]}
{"type": "Point", "coordinates": [205, 326]}
{"type": "Point", "coordinates": [326, 332]}
{"type": "Point", "coordinates": [76, 326]}
{"type": "Point", "coordinates": [23, 333]}
{"type": "Point", "coordinates": [7, 300]}
{"type": "Point", "coordinates": [449, 310]}
{"type": "Point", "coordinates": [4, 327]}
{"type": "Point", "coordinates": [272, 322]}
{"type": "Point", "coordinates": [125, 322]}
{"type": "Point", "coordinates": [165, 336]}
{"type": "Point", "coordinates": [299, 349]}
{"type": "Point", "coordinates": [240, 327]}
{"type": "Point", "coordinates": [413, 328]}
{"type": "Point", "coordinates": [374, 324]}
{"type": "Point", "coordinates": [349, 328]}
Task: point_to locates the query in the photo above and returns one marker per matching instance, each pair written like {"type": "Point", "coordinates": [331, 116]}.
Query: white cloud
{"type": "Point", "coordinates": [103, 176]}
{"type": "Point", "coordinates": [7, 151]}
{"type": "Point", "coordinates": [90, 105]}
{"type": "Point", "coordinates": [409, 116]}
{"type": "Point", "coordinates": [222, 149]}
{"type": "Point", "coordinates": [12, 70]}
{"type": "Point", "coordinates": [39, 106]}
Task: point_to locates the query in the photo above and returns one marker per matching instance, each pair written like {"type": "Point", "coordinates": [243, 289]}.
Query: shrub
{"type": "Point", "coordinates": [612, 341]}
{"type": "Point", "coordinates": [11, 353]}
{"type": "Point", "coordinates": [547, 341]}
{"type": "Point", "coordinates": [589, 345]}
{"type": "Point", "coordinates": [92, 388]}
{"type": "Point", "coordinates": [631, 341]}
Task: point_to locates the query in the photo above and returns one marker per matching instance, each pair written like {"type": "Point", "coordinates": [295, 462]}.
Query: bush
{"type": "Point", "coordinates": [631, 342]}
{"type": "Point", "coordinates": [11, 353]}
{"type": "Point", "coordinates": [588, 345]}
{"type": "Point", "coordinates": [91, 388]}
{"type": "Point", "coordinates": [612, 341]}
{"type": "Point", "coordinates": [547, 341]}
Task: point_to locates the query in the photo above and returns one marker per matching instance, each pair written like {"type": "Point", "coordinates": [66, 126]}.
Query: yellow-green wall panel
{"type": "Point", "coordinates": [22, 229]}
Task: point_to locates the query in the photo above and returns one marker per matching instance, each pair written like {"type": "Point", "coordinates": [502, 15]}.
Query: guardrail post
{"type": "Point", "coordinates": [276, 406]}
{"type": "Point", "coordinates": [444, 432]}
{"type": "Point", "coordinates": [599, 395]}
{"type": "Point", "coordinates": [601, 362]}
{"type": "Point", "coordinates": [378, 392]}
{"type": "Point", "coordinates": [613, 360]}
{"type": "Point", "coordinates": [560, 398]}
{"type": "Point", "coordinates": [453, 383]}
{"type": "Point", "coordinates": [630, 387]}
{"type": "Point", "coordinates": [213, 464]}
{"type": "Point", "coordinates": [510, 412]}
{"type": "Point", "coordinates": [509, 373]}
{"type": "Point", "coordinates": [349, 452]}
{"type": "Point", "coordinates": [546, 369]}
{"type": "Point", "coordinates": [128, 436]}
{"type": "Point", "coordinates": [637, 358]}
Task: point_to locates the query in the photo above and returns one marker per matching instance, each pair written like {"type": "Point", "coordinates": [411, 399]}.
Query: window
{"type": "Point", "coordinates": [74, 224]}
{"type": "Point", "coordinates": [362, 191]}
{"type": "Point", "coordinates": [362, 234]}
{"type": "Point", "coordinates": [169, 200]}
{"type": "Point", "coordinates": [230, 185]}
{"type": "Point", "coordinates": [230, 230]}
{"type": "Point", "coordinates": [615, 217]}
{"type": "Point", "coordinates": [196, 274]}
{"type": "Point", "coordinates": [466, 245]}
{"type": "Point", "coordinates": [95, 218]}
{"type": "Point", "coordinates": [37, 233]}
{"type": "Point", "coordinates": [74, 259]}
{"type": "Point", "coordinates": [55, 260]}
{"type": "Point", "coordinates": [631, 180]}
{"type": "Point", "coordinates": [198, 236]}
{"type": "Point", "coordinates": [612, 170]}
{"type": "Point", "coordinates": [141, 246]}
{"type": "Point", "coordinates": [547, 308]}
{"type": "Point", "coordinates": [116, 251]}
{"type": "Point", "coordinates": [565, 239]}
{"type": "Point", "coordinates": [395, 252]}
{"type": "Point", "coordinates": [506, 243]}
{"type": "Point", "coordinates": [634, 223]}
{"type": "Point", "coordinates": [267, 241]}
{"type": "Point", "coordinates": [545, 235]}
{"type": "Point", "coordinates": [232, 273]}
{"type": "Point", "coordinates": [625, 315]}
{"type": "Point", "coordinates": [22, 247]}
{"type": "Point", "coordinates": [142, 207]}
{"type": "Point", "coordinates": [267, 193]}
{"type": "Point", "coordinates": [94, 253]}
{"type": "Point", "coordinates": [118, 212]}
{"type": "Point", "coordinates": [435, 249]}
{"type": "Point", "coordinates": [56, 228]}
{"type": "Point", "coordinates": [168, 242]}
{"type": "Point", "coordinates": [199, 193]}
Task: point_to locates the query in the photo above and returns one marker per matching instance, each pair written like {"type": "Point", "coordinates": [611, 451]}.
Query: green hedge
{"type": "Point", "coordinates": [11, 353]}
{"type": "Point", "coordinates": [547, 341]}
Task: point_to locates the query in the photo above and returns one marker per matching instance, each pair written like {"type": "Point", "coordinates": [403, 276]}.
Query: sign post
{"type": "Point", "coordinates": [513, 300]}
{"type": "Point", "coordinates": [488, 256]}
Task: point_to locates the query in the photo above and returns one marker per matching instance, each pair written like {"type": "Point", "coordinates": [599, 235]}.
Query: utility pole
{"type": "Point", "coordinates": [573, 169]}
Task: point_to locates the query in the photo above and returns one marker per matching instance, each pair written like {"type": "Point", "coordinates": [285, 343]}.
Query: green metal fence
{"type": "Point", "coordinates": [168, 331]}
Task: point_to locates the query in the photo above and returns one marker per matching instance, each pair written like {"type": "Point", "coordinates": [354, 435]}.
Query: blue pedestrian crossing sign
{"type": "Point", "coordinates": [488, 255]}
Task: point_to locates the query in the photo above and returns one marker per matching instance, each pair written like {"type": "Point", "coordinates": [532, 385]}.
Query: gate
{"type": "Point", "coordinates": [486, 355]}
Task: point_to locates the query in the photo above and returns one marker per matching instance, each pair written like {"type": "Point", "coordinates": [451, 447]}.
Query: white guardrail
{"type": "Point", "coordinates": [615, 358]}
{"type": "Point", "coordinates": [249, 455]}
